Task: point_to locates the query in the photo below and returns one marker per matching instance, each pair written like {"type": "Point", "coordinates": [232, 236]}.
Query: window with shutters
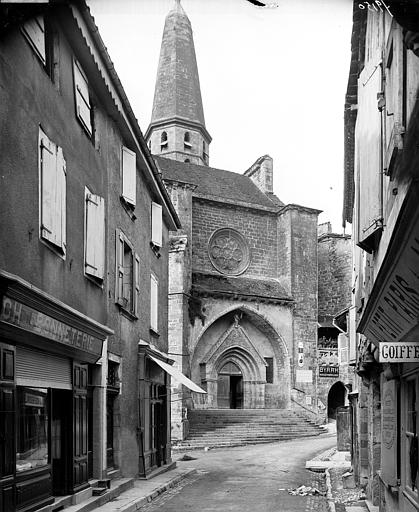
{"type": "Point", "coordinates": [154, 303]}
{"type": "Point", "coordinates": [127, 276]}
{"type": "Point", "coordinates": [94, 235]}
{"type": "Point", "coordinates": [82, 98]}
{"type": "Point", "coordinates": [52, 174]}
{"type": "Point", "coordinates": [156, 226]}
{"type": "Point", "coordinates": [128, 176]}
{"type": "Point", "coordinates": [38, 33]}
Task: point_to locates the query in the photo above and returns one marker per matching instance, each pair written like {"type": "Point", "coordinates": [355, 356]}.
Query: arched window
{"type": "Point", "coordinates": [187, 161]}
{"type": "Point", "coordinates": [163, 141]}
{"type": "Point", "coordinates": [187, 141]}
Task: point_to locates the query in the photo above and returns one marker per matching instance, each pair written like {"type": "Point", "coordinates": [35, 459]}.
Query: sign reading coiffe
{"type": "Point", "coordinates": [397, 352]}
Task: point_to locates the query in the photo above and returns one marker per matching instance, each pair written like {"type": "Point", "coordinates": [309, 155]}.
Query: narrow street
{"type": "Point", "coordinates": [248, 479]}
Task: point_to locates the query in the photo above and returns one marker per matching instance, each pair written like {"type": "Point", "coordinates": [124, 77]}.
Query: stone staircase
{"type": "Point", "coordinates": [217, 428]}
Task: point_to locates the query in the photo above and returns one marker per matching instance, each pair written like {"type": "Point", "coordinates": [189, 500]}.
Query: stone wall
{"type": "Point", "coordinates": [335, 273]}
{"type": "Point", "coordinates": [258, 227]}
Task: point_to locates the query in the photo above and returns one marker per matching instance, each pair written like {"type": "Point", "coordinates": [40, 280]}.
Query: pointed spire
{"type": "Point", "coordinates": [177, 93]}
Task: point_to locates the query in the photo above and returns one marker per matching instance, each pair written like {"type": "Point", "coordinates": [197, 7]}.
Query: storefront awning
{"type": "Point", "coordinates": [178, 376]}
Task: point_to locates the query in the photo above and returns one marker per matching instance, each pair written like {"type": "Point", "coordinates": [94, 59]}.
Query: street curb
{"type": "Point", "coordinates": [137, 503]}
{"type": "Point", "coordinates": [329, 495]}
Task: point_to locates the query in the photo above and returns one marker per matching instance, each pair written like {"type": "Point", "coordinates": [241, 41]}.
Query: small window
{"type": "Point", "coordinates": [83, 104]}
{"type": "Point", "coordinates": [156, 224]}
{"type": "Point", "coordinates": [52, 173]}
{"type": "Point", "coordinates": [163, 141]}
{"type": "Point", "coordinates": [94, 243]}
{"type": "Point", "coordinates": [154, 302]}
{"type": "Point", "coordinates": [129, 173]}
{"type": "Point", "coordinates": [127, 275]}
{"type": "Point", "coordinates": [269, 370]}
{"type": "Point", "coordinates": [187, 141]}
{"type": "Point", "coordinates": [187, 161]}
{"type": "Point", "coordinates": [34, 31]}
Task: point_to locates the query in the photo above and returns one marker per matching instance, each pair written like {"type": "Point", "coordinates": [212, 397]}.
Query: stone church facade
{"type": "Point", "coordinates": [243, 278]}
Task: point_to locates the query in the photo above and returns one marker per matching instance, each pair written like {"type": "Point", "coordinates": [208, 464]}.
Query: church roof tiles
{"type": "Point", "coordinates": [216, 183]}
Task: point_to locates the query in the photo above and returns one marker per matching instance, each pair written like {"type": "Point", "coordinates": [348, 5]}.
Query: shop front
{"type": "Point", "coordinates": [391, 323]}
{"type": "Point", "coordinates": [51, 377]}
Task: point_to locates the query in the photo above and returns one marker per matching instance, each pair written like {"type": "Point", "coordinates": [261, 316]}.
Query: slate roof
{"type": "Point", "coordinates": [240, 287]}
{"type": "Point", "coordinates": [177, 93]}
{"type": "Point", "coordinates": [215, 182]}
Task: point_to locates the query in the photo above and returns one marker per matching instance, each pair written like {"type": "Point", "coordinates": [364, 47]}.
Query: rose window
{"type": "Point", "coordinates": [229, 251]}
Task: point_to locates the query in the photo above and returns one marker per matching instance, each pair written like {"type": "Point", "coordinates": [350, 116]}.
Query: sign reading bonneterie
{"type": "Point", "coordinates": [397, 352]}
{"type": "Point", "coordinates": [25, 317]}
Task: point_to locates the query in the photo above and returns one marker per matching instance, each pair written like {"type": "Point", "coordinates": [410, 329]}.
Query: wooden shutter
{"type": "Point", "coordinates": [119, 257]}
{"type": "Point", "coordinates": [389, 432]}
{"type": "Point", "coordinates": [80, 427]}
{"type": "Point", "coordinates": [94, 235]}
{"type": "Point", "coordinates": [128, 175]}
{"type": "Point", "coordinates": [367, 159]}
{"type": "Point", "coordinates": [154, 286]}
{"type": "Point", "coordinates": [83, 106]}
{"type": "Point", "coordinates": [137, 283]}
{"type": "Point", "coordinates": [343, 355]}
{"type": "Point", "coordinates": [7, 423]}
{"type": "Point", "coordinates": [34, 31]}
{"type": "Point", "coordinates": [60, 201]}
{"type": "Point", "coordinates": [48, 175]}
{"type": "Point", "coordinates": [156, 224]}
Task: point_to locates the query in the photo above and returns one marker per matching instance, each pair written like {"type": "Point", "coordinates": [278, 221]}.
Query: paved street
{"type": "Point", "coordinates": [248, 479]}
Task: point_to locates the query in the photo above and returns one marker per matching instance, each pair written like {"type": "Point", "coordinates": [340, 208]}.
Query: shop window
{"type": "Point", "coordinates": [129, 174]}
{"type": "Point", "coordinates": [83, 103]}
{"type": "Point", "coordinates": [94, 243]}
{"type": "Point", "coordinates": [156, 225]}
{"type": "Point", "coordinates": [163, 141]}
{"type": "Point", "coordinates": [154, 302]}
{"type": "Point", "coordinates": [269, 370]}
{"type": "Point", "coordinates": [52, 173]}
{"type": "Point", "coordinates": [32, 429]}
{"type": "Point", "coordinates": [127, 276]}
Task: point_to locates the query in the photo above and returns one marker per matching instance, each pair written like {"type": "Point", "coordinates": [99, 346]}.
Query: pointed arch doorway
{"type": "Point", "coordinates": [230, 387]}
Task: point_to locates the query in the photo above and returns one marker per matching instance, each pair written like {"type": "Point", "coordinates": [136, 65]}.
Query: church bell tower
{"type": "Point", "coordinates": [177, 128]}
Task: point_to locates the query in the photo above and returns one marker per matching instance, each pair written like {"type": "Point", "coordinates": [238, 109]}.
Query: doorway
{"type": "Point", "coordinates": [230, 387]}
{"type": "Point", "coordinates": [335, 399]}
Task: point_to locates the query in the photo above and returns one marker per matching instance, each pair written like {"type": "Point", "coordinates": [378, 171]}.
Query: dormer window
{"type": "Point", "coordinates": [163, 141]}
{"type": "Point", "coordinates": [187, 141]}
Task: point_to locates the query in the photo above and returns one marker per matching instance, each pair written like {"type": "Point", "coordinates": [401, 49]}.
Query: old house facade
{"type": "Point", "coordinates": [84, 230]}
{"type": "Point", "coordinates": [243, 280]}
{"type": "Point", "coordinates": [381, 202]}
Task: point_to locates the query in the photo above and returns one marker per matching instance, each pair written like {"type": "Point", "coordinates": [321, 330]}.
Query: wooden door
{"type": "Point", "coordinates": [223, 391]}
{"type": "Point", "coordinates": [236, 391]}
{"type": "Point", "coordinates": [7, 428]}
{"type": "Point", "coordinates": [80, 427]}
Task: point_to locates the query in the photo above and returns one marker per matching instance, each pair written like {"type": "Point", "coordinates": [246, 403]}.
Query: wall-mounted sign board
{"type": "Point", "coordinates": [398, 352]}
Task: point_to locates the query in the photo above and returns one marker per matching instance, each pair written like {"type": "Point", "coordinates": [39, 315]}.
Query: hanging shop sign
{"type": "Point", "coordinates": [393, 311]}
{"type": "Point", "coordinates": [328, 362]}
{"type": "Point", "coordinates": [25, 317]}
{"type": "Point", "coordinates": [390, 352]}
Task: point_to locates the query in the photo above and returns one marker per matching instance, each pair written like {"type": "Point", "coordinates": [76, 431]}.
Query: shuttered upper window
{"type": "Point", "coordinates": [129, 173]}
{"type": "Point", "coordinates": [81, 91]}
{"type": "Point", "coordinates": [52, 193]}
{"type": "Point", "coordinates": [34, 30]}
{"type": "Point", "coordinates": [127, 286]}
{"type": "Point", "coordinates": [156, 224]}
{"type": "Point", "coordinates": [94, 243]}
{"type": "Point", "coordinates": [154, 302]}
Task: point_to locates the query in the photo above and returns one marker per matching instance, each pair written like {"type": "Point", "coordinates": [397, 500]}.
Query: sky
{"type": "Point", "coordinates": [273, 81]}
